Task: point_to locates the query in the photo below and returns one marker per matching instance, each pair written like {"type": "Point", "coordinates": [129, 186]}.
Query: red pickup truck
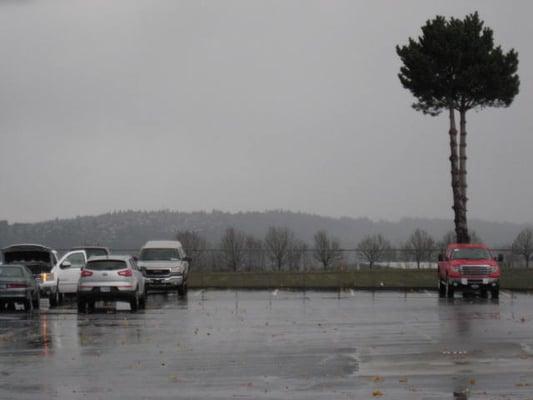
{"type": "Point", "coordinates": [469, 267]}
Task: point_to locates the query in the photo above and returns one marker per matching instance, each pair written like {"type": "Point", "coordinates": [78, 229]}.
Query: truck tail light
{"type": "Point", "coordinates": [85, 273]}
{"type": "Point", "coordinates": [125, 272]}
{"type": "Point", "coordinates": [16, 285]}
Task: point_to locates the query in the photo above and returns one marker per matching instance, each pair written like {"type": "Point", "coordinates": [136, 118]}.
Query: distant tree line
{"type": "Point", "coordinates": [280, 250]}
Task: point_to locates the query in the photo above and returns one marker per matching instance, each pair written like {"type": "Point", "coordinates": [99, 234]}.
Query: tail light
{"type": "Point", "coordinates": [16, 285]}
{"type": "Point", "coordinates": [85, 273]}
{"type": "Point", "coordinates": [125, 272]}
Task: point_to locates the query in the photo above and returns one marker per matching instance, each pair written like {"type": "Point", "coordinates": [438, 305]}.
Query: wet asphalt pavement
{"type": "Point", "coordinates": [274, 345]}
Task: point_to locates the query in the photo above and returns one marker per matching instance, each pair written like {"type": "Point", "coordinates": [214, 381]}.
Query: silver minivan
{"type": "Point", "coordinates": [111, 278]}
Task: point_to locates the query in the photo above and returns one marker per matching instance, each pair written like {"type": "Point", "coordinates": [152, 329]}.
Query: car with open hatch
{"type": "Point", "coordinates": [39, 260]}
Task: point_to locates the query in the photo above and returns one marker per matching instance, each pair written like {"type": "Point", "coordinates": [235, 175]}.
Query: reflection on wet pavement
{"type": "Point", "coordinates": [273, 345]}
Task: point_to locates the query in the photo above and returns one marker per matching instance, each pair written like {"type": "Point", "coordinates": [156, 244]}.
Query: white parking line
{"type": "Point", "coordinates": [428, 294]}
{"type": "Point", "coordinates": [506, 294]}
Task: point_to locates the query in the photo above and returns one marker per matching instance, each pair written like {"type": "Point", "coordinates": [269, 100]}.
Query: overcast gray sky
{"type": "Point", "coordinates": [244, 105]}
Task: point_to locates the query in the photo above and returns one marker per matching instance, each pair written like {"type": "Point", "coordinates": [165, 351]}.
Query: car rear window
{"type": "Point", "coordinates": [11, 272]}
{"type": "Point", "coordinates": [105, 265]}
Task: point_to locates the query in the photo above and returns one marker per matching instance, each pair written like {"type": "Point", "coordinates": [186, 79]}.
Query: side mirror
{"type": "Point", "coordinates": [499, 258]}
{"type": "Point", "coordinates": [441, 257]}
{"type": "Point", "coordinates": [65, 264]}
{"type": "Point", "coordinates": [188, 259]}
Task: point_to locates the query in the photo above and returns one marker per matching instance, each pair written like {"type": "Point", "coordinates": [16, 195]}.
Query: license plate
{"type": "Point", "coordinates": [105, 289]}
{"type": "Point", "coordinates": [475, 286]}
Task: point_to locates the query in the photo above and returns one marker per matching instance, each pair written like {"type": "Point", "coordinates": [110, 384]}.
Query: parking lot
{"type": "Point", "coordinates": [273, 345]}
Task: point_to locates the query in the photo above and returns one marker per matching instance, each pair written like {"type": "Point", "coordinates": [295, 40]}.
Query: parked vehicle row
{"type": "Point", "coordinates": [91, 273]}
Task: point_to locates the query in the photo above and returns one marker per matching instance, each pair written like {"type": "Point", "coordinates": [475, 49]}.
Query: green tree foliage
{"type": "Point", "coordinates": [455, 66]}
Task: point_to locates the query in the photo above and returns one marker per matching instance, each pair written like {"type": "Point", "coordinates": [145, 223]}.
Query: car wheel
{"type": "Point", "coordinates": [37, 300]}
{"type": "Point", "coordinates": [54, 298]}
{"type": "Point", "coordinates": [2, 306]}
{"type": "Point", "coordinates": [90, 305]}
{"type": "Point", "coordinates": [484, 293]}
{"type": "Point", "coordinates": [28, 304]}
{"type": "Point", "coordinates": [81, 306]}
{"type": "Point", "coordinates": [134, 302]}
{"type": "Point", "coordinates": [142, 300]}
{"type": "Point", "coordinates": [495, 293]}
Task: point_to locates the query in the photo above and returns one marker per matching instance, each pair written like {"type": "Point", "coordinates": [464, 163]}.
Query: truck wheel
{"type": "Point", "coordinates": [81, 306]}
{"type": "Point", "coordinates": [442, 289]}
{"type": "Point", "coordinates": [90, 305]}
{"type": "Point", "coordinates": [182, 290]}
{"type": "Point", "coordinates": [495, 293]}
{"type": "Point", "coordinates": [54, 298]}
{"type": "Point", "coordinates": [484, 293]}
{"type": "Point", "coordinates": [2, 306]}
{"type": "Point", "coordinates": [450, 290]}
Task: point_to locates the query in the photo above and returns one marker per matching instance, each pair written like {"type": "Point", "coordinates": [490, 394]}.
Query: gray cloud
{"type": "Point", "coordinates": [243, 105]}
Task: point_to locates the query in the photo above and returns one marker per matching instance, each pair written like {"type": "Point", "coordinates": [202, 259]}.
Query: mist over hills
{"type": "Point", "coordinates": [130, 229]}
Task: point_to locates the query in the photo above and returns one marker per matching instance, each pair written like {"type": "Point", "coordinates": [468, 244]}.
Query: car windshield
{"type": "Point", "coordinates": [470, 254]}
{"type": "Point", "coordinates": [159, 255]}
{"type": "Point", "coordinates": [106, 265]}
{"type": "Point", "coordinates": [11, 272]}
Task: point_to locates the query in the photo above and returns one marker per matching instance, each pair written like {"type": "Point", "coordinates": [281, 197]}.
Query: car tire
{"type": "Point", "coordinates": [2, 306]}
{"type": "Point", "coordinates": [28, 304]}
{"type": "Point", "coordinates": [81, 306]}
{"type": "Point", "coordinates": [484, 293]}
{"type": "Point", "coordinates": [54, 298]}
{"type": "Point", "coordinates": [36, 300]}
{"type": "Point", "coordinates": [442, 289]}
{"type": "Point", "coordinates": [134, 302]}
{"type": "Point", "coordinates": [142, 300]}
{"type": "Point", "coordinates": [495, 293]}
{"type": "Point", "coordinates": [182, 290]}
{"type": "Point", "coordinates": [90, 305]}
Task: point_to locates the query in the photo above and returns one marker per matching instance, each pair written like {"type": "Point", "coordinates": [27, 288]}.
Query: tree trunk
{"type": "Point", "coordinates": [455, 177]}
{"type": "Point", "coordinates": [463, 223]}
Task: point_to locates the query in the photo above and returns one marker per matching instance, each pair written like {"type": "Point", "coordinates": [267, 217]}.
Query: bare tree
{"type": "Point", "coordinates": [327, 250]}
{"type": "Point", "coordinates": [523, 245]}
{"type": "Point", "coordinates": [296, 257]}
{"type": "Point", "coordinates": [277, 242]}
{"type": "Point", "coordinates": [195, 246]}
{"type": "Point", "coordinates": [233, 242]}
{"type": "Point", "coordinates": [254, 254]}
{"type": "Point", "coordinates": [420, 244]}
{"type": "Point", "coordinates": [373, 248]}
